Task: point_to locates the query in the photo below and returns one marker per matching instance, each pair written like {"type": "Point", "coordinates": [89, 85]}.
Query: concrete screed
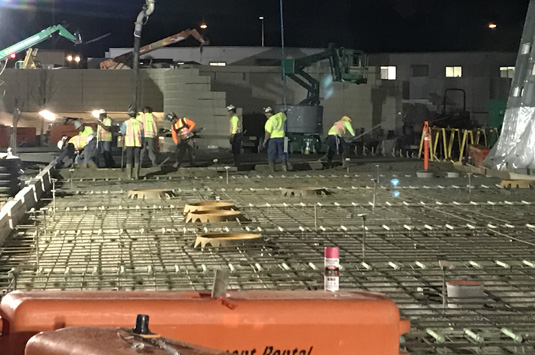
{"type": "Point", "coordinates": [98, 238]}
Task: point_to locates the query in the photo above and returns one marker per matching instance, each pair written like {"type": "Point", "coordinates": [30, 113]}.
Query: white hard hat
{"type": "Point", "coordinates": [268, 109]}
{"type": "Point", "coordinates": [61, 142]}
{"type": "Point", "coordinates": [231, 107]}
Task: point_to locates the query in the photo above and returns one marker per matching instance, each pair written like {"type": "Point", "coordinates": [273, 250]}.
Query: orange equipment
{"type": "Point", "coordinates": [252, 322]}
{"type": "Point", "coordinates": [119, 62]}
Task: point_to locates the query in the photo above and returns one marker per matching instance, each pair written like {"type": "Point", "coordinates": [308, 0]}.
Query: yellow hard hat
{"type": "Point", "coordinates": [346, 118]}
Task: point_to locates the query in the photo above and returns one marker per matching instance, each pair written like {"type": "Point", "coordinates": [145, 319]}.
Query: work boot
{"type": "Point", "coordinates": [285, 167]}
{"type": "Point", "coordinates": [237, 161]}
{"type": "Point", "coordinates": [129, 171]}
{"type": "Point", "coordinates": [272, 166]}
{"type": "Point", "coordinates": [137, 168]}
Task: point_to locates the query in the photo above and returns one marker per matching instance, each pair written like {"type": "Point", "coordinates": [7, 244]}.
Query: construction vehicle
{"type": "Point", "coordinates": [346, 65]}
{"type": "Point", "coordinates": [305, 120]}
{"type": "Point", "coordinates": [37, 38]}
{"type": "Point", "coordinates": [452, 114]}
{"type": "Point", "coordinates": [125, 61]}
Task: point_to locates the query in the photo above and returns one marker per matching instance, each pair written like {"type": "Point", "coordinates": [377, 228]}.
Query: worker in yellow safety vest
{"type": "Point", "coordinates": [78, 149]}
{"type": "Point", "coordinates": [336, 142]}
{"type": "Point", "coordinates": [132, 131]}
{"type": "Point", "coordinates": [105, 137]}
{"type": "Point", "coordinates": [87, 153]}
{"type": "Point", "coordinates": [274, 138]}
{"type": "Point", "coordinates": [236, 134]}
{"type": "Point", "coordinates": [151, 134]}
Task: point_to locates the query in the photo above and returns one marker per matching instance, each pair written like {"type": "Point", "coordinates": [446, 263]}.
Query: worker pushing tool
{"type": "Point", "coordinates": [182, 133]}
{"type": "Point", "coordinates": [274, 138]}
{"type": "Point", "coordinates": [132, 131]}
{"type": "Point", "coordinates": [236, 134]}
{"type": "Point", "coordinates": [104, 137]}
{"type": "Point", "coordinates": [336, 142]}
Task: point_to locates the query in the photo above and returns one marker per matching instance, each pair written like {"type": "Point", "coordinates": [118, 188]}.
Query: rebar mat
{"type": "Point", "coordinates": [93, 237]}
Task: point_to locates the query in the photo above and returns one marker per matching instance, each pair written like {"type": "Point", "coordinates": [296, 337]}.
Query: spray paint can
{"type": "Point", "coordinates": [332, 269]}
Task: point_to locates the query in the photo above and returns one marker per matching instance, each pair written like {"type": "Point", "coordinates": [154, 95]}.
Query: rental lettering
{"type": "Point", "coordinates": [270, 350]}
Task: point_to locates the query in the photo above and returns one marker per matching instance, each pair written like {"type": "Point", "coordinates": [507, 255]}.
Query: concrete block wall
{"type": "Point", "coordinates": [189, 94]}
{"type": "Point", "coordinates": [81, 90]}
{"type": "Point", "coordinates": [255, 87]}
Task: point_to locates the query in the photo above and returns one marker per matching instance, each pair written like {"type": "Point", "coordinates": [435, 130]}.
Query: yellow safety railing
{"type": "Point", "coordinates": [446, 143]}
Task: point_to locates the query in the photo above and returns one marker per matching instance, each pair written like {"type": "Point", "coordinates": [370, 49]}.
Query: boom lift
{"type": "Point", "coordinates": [124, 61]}
{"type": "Point", "coordinates": [346, 65]}
{"type": "Point", "coordinates": [38, 38]}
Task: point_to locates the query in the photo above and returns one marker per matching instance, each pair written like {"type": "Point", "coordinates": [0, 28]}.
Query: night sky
{"type": "Point", "coordinates": [370, 25]}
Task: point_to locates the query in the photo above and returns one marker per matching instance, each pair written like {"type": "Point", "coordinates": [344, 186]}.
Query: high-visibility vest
{"type": "Point", "coordinates": [339, 128]}
{"type": "Point", "coordinates": [133, 133]}
{"type": "Point", "coordinates": [275, 125]}
{"type": "Point", "coordinates": [78, 141]}
{"type": "Point", "coordinates": [86, 132]}
{"type": "Point", "coordinates": [236, 125]}
{"type": "Point", "coordinates": [182, 129]}
{"type": "Point", "coordinates": [103, 135]}
{"type": "Point", "coordinates": [149, 124]}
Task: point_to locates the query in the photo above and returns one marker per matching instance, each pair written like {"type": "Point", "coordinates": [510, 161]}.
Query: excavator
{"type": "Point", "coordinates": [37, 38]}
{"type": "Point", "coordinates": [124, 61]}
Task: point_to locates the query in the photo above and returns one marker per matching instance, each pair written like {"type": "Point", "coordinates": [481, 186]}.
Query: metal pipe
{"type": "Point", "coordinates": [142, 18]}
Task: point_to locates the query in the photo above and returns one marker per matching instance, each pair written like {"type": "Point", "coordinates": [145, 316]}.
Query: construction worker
{"type": "Point", "coordinates": [151, 134]}
{"type": "Point", "coordinates": [274, 138]}
{"type": "Point", "coordinates": [88, 144]}
{"type": "Point", "coordinates": [104, 137]}
{"type": "Point", "coordinates": [336, 142]}
{"type": "Point", "coordinates": [78, 149]}
{"type": "Point", "coordinates": [236, 134]}
{"type": "Point", "coordinates": [132, 130]}
{"type": "Point", "coordinates": [182, 132]}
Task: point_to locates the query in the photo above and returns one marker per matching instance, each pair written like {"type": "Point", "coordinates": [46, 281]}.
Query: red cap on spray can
{"type": "Point", "coordinates": [332, 252]}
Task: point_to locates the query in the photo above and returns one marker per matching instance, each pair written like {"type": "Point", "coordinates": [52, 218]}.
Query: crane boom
{"type": "Point", "coordinates": [120, 62]}
{"type": "Point", "coordinates": [38, 38]}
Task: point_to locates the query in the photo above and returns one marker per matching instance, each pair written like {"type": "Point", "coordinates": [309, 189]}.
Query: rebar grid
{"type": "Point", "coordinates": [98, 239]}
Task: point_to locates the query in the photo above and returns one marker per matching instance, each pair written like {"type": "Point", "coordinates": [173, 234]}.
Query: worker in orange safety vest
{"type": "Point", "coordinates": [336, 142]}
{"type": "Point", "coordinates": [182, 133]}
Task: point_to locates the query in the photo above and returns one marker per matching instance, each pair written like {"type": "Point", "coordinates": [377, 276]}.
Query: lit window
{"type": "Point", "coordinates": [507, 72]}
{"type": "Point", "coordinates": [388, 73]}
{"type": "Point", "coordinates": [454, 72]}
{"type": "Point", "coordinates": [218, 64]}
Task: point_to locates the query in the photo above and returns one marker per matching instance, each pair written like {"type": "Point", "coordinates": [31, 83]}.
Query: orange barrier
{"type": "Point", "coordinates": [254, 322]}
